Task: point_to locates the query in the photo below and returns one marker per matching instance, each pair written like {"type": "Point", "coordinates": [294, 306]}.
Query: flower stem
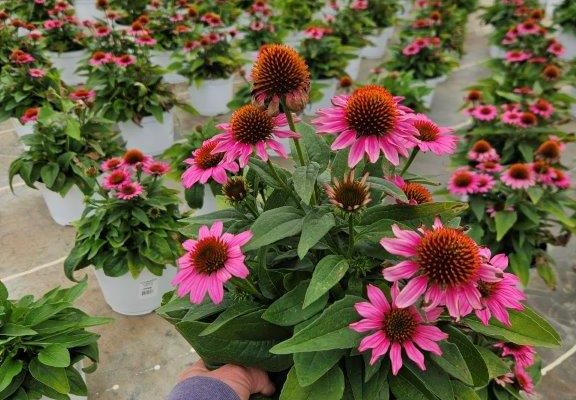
{"type": "Point", "coordinates": [293, 129]}
{"type": "Point", "coordinates": [410, 160]}
{"type": "Point", "coordinates": [281, 182]}
{"type": "Point", "coordinates": [350, 235]}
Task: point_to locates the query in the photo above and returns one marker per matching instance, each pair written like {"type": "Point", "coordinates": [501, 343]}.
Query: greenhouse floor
{"type": "Point", "coordinates": [141, 357]}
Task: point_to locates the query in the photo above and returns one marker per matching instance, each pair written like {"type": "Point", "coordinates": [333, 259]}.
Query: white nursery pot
{"type": "Point", "coordinates": [64, 210]}
{"type": "Point", "coordinates": [208, 203]}
{"type": "Point", "coordinates": [67, 63]}
{"type": "Point", "coordinates": [432, 83]}
{"type": "Point", "coordinates": [328, 91]}
{"type": "Point", "coordinates": [407, 8]}
{"type": "Point", "coordinates": [497, 52]}
{"type": "Point", "coordinates": [379, 44]}
{"type": "Point", "coordinates": [86, 9]}
{"type": "Point", "coordinates": [353, 68]}
{"type": "Point", "coordinates": [23, 130]}
{"type": "Point", "coordinates": [162, 59]}
{"type": "Point", "coordinates": [568, 40]}
{"type": "Point", "coordinates": [152, 137]}
{"type": "Point", "coordinates": [211, 97]}
{"type": "Point", "coordinates": [135, 296]}
{"type": "Point", "coordinates": [294, 39]}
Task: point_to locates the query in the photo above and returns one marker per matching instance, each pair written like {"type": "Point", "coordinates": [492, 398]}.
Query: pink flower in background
{"type": "Point", "coordinates": [100, 58]}
{"type": "Point", "coordinates": [543, 108]}
{"type": "Point", "coordinates": [463, 182]}
{"type": "Point", "coordinates": [116, 178]}
{"type": "Point", "coordinates": [544, 172]}
{"type": "Point", "coordinates": [211, 261]}
{"type": "Point", "coordinates": [359, 5]}
{"type": "Point", "coordinates": [394, 329]}
{"type": "Point", "coordinates": [557, 49]}
{"type": "Point", "coordinates": [561, 179]}
{"type": "Point", "coordinates": [36, 72]}
{"type": "Point", "coordinates": [125, 60]}
{"type": "Point", "coordinates": [102, 31]}
{"type": "Point", "coordinates": [415, 192]}
{"type": "Point", "coordinates": [112, 163]}
{"type": "Point", "coordinates": [484, 183]}
{"type": "Point", "coordinates": [35, 35]}
{"type": "Point", "coordinates": [484, 113]}
{"type": "Point", "coordinates": [191, 45]}
{"type": "Point", "coordinates": [252, 129]}
{"type": "Point", "coordinates": [515, 56]}
{"type": "Point", "coordinates": [443, 264]}
{"type": "Point", "coordinates": [156, 168]}
{"type": "Point", "coordinates": [40, 2]}
{"type": "Point", "coordinates": [21, 57]}
{"type": "Point", "coordinates": [205, 165]}
{"type": "Point", "coordinates": [30, 115]}
{"type": "Point", "coordinates": [523, 356]}
{"type": "Point", "coordinates": [511, 118]}
{"type": "Point", "coordinates": [316, 32]}
{"type": "Point", "coordinates": [529, 27]}
{"type": "Point", "coordinates": [129, 190]}
{"type": "Point", "coordinates": [257, 26]}
{"type": "Point", "coordinates": [523, 380]}
{"type": "Point", "coordinates": [439, 140]}
{"type": "Point", "coordinates": [370, 121]}
{"type": "Point", "coordinates": [52, 24]}
{"type": "Point", "coordinates": [411, 50]}
{"type": "Point", "coordinates": [83, 94]}
{"type": "Point", "coordinates": [490, 167]}
{"type": "Point", "coordinates": [519, 176]}
{"type": "Point", "coordinates": [145, 40]}
{"type": "Point", "coordinates": [483, 151]}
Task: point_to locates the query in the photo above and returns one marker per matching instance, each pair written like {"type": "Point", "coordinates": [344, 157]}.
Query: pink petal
{"type": "Point", "coordinates": [402, 270]}
{"type": "Point", "coordinates": [410, 293]}
{"type": "Point", "coordinates": [377, 298]}
{"type": "Point", "coordinates": [414, 354]}
{"type": "Point", "coordinates": [396, 358]}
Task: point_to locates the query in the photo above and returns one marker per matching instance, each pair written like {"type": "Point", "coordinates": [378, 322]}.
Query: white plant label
{"type": "Point", "coordinates": [148, 288]}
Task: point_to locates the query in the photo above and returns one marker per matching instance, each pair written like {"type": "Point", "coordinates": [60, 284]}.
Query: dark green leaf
{"type": "Point", "coordinates": [315, 226]}
{"type": "Point", "coordinates": [55, 355]}
{"type": "Point", "coordinates": [274, 225]}
{"type": "Point", "coordinates": [329, 387]}
{"type": "Point", "coordinates": [289, 309]}
{"type": "Point", "coordinates": [329, 271]}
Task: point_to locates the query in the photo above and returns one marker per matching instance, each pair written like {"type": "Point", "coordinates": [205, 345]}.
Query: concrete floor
{"type": "Point", "coordinates": [141, 357]}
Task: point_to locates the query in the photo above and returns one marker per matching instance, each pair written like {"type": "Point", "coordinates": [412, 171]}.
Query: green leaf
{"type": "Point", "coordinates": [329, 271]}
{"type": "Point", "coordinates": [504, 221]}
{"type": "Point", "coordinates": [234, 311]}
{"type": "Point", "coordinates": [464, 392]}
{"type": "Point", "coordinates": [73, 128]}
{"type": "Point", "coordinates": [478, 207]}
{"type": "Point", "coordinates": [329, 387]}
{"type": "Point", "coordinates": [414, 215]}
{"type": "Point", "coordinates": [289, 309]}
{"type": "Point", "coordinates": [433, 381]}
{"type": "Point", "coordinates": [274, 225]}
{"type": "Point", "coordinates": [377, 387]}
{"type": "Point", "coordinates": [330, 331]}
{"type": "Point", "coordinates": [527, 151]}
{"type": "Point", "coordinates": [535, 193]}
{"type": "Point", "coordinates": [49, 173]}
{"type": "Point", "coordinates": [55, 378]}
{"type": "Point", "coordinates": [474, 361]}
{"type": "Point", "coordinates": [9, 369]}
{"type": "Point", "coordinates": [453, 363]}
{"type": "Point", "coordinates": [314, 145]}
{"type": "Point", "coordinates": [304, 179]}
{"type": "Point", "coordinates": [262, 170]}
{"type": "Point", "coordinates": [15, 330]}
{"type": "Point", "coordinates": [387, 187]}
{"type": "Point", "coordinates": [404, 389]}
{"type": "Point", "coordinates": [315, 226]}
{"type": "Point", "coordinates": [55, 355]}
{"type": "Point", "coordinates": [496, 367]}
{"type": "Point", "coordinates": [312, 366]}
{"type": "Point", "coordinates": [527, 328]}
{"type": "Point", "coordinates": [520, 265]}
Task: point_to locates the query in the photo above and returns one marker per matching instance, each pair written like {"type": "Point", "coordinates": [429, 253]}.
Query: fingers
{"type": "Point", "coordinates": [198, 368]}
{"type": "Point", "coordinates": [261, 383]}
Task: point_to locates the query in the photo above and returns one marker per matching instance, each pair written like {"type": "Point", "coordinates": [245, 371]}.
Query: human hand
{"type": "Point", "coordinates": [244, 381]}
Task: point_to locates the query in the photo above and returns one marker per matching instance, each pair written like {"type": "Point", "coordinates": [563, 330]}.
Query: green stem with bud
{"type": "Point", "coordinates": [410, 160]}
{"type": "Point", "coordinates": [350, 235]}
{"type": "Point", "coordinates": [293, 129]}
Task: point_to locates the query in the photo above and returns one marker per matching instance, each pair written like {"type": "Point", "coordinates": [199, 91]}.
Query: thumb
{"type": "Point", "coordinates": [261, 383]}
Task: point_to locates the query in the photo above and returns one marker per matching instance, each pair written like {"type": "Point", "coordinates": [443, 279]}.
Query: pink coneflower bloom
{"type": "Point", "coordinates": [411, 50]}
{"type": "Point", "coordinates": [415, 192]}
{"type": "Point", "coordinates": [30, 115]}
{"type": "Point", "coordinates": [551, 150]}
{"type": "Point", "coordinates": [538, 60]}
{"type": "Point", "coordinates": [443, 264]}
{"type": "Point", "coordinates": [125, 60]}
{"type": "Point", "coordinates": [206, 165]}
{"type": "Point", "coordinates": [395, 329]}
{"type": "Point", "coordinates": [257, 26]}
{"type": "Point", "coordinates": [135, 158]}
{"type": "Point", "coordinates": [21, 57]}
{"type": "Point", "coordinates": [35, 35]}
{"type": "Point", "coordinates": [511, 118]}
{"type": "Point", "coordinates": [145, 40]}
{"type": "Point", "coordinates": [483, 151]}
{"type": "Point", "coordinates": [519, 176]}
{"type": "Point", "coordinates": [359, 5]}
{"type": "Point", "coordinates": [369, 121]}
{"type": "Point", "coordinates": [112, 163]}
{"type": "Point", "coordinates": [52, 24]}
{"type": "Point", "coordinates": [557, 49]}
{"type": "Point", "coordinates": [191, 45]}
{"type": "Point", "coordinates": [156, 168]}
{"type": "Point", "coordinates": [315, 32]}
{"type": "Point", "coordinates": [137, 29]}
{"type": "Point", "coordinates": [523, 355]}
{"type": "Point", "coordinates": [484, 183]}
{"type": "Point", "coordinates": [100, 58]}
{"type": "Point", "coordinates": [252, 129]}
{"type": "Point", "coordinates": [515, 56]}
{"type": "Point", "coordinates": [561, 179]}
{"type": "Point", "coordinates": [211, 261]}
{"type": "Point", "coordinates": [544, 172]}
{"type": "Point", "coordinates": [506, 379]}
{"type": "Point", "coordinates": [102, 31]}
{"type": "Point", "coordinates": [528, 27]}
{"type": "Point", "coordinates": [36, 72]}
{"type": "Point", "coordinates": [116, 178]}
{"type": "Point", "coordinates": [463, 182]}
{"type": "Point", "coordinates": [129, 190]}
{"type": "Point", "coordinates": [438, 140]}
{"type": "Point", "coordinates": [543, 108]}
{"type": "Point", "coordinates": [492, 209]}
{"type": "Point", "coordinates": [484, 113]}
{"type": "Point", "coordinates": [82, 94]}
{"type": "Point", "coordinates": [523, 380]}
{"type": "Point", "coordinates": [490, 167]}
{"type": "Point", "coordinates": [527, 119]}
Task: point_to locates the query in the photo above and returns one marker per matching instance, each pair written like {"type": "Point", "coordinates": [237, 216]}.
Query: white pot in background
{"type": "Point", "coordinates": [379, 44]}
{"type": "Point", "coordinates": [151, 136]}
{"type": "Point", "coordinates": [23, 130]}
{"type": "Point", "coordinates": [67, 63]}
{"type": "Point", "coordinates": [162, 59]}
{"type": "Point", "coordinates": [568, 40]}
{"type": "Point", "coordinates": [497, 52]}
{"type": "Point", "coordinates": [294, 39]}
{"type": "Point", "coordinates": [86, 9]}
{"type": "Point", "coordinates": [251, 57]}
{"type": "Point", "coordinates": [328, 91]}
{"type": "Point", "coordinates": [64, 210]}
{"type": "Point", "coordinates": [135, 296]}
{"type": "Point", "coordinates": [353, 68]}
{"type": "Point", "coordinates": [407, 8]}
{"type": "Point", "coordinates": [432, 83]}
{"type": "Point", "coordinates": [212, 96]}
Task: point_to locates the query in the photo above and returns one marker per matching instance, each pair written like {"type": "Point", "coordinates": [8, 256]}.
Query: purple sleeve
{"type": "Point", "coordinates": [202, 388]}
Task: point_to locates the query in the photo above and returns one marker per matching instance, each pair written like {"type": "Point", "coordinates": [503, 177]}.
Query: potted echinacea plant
{"type": "Point", "coordinates": [564, 16]}
{"type": "Point", "coordinates": [209, 61]}
{"type": "Point", "coordinates": [34, 11]}
{"type": "Point", "coordinates": [319, 277]}
{"type": "Point", "coordinates": [383, 14]}
{"type": "Point", "coordinates": [417, 95]}
{"type": "Point", "coordinates": [46, 347]}
{"type": "Point", "coordinates": [129, 234]}
{"type": "Point", "coordinates": [294, 16]}
{"type": "Point", "coordinates": [63, 153]}
{"type": "Point", "coordinates": [327, 59]}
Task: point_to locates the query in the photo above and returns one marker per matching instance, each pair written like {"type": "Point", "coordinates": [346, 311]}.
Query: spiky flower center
{"type": "Point", "coordinates": [486, 110]}
{"type": "Point", "coordinates": [519, 171]}
{"type": "Point", "coordinates": [428, 130]}
{"type": "Point", "coordinates": [235, 189]}
{"type": "Point", "coordinates": [205, 158]}
{"type": "Point", "coordinates": [372, 111]}
{"type": "Point", "coordinates": [448, 257]}
{"type": "Point", "coordinates": [279, 71]}
{"type": "Point", "coordinates": [528, 118]}
{"type": "Point", "coordinates": [417, 192]}
{"type": "Point", "coordinates": [481, 146]}
{"type": "Point", "coordinates": [209, 255]}
{"type": "Point", "coordinates": [552, 72]}
{"type": "Point", "coordinates": [549, 149]}
{"type": "Point", "coordinates": [540, 167]}
{"type": "Point", "coordinates": [350, 195]}
{"type": "Point", "coordinates": [128, 190]}
{"type": "Point", "coordinates": [251, 125]}
{"type": "Point", "coordinates": [399, 325]}
{"type": "Point", "coordinates": [474, 95]}
{"type": "Point", "coordinates": [117, 177]}
{"type": "Point", "coordinates": [133, 157]}
{"type": "Point", "coordinates": [486, 289]}
{"type": "Point", "coordinates": [542, 105]}
{"type": "Point", "coordinates": [463, 179]}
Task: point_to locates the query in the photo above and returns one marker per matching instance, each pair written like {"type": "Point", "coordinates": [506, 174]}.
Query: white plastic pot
{"type": "Point", "coordinates": [208, 203]}
{"type": "Point", "coordinates": [353, 68]}
{"type": "Point", "coordinates": [86, 9]}
{"type": "Point", "coordinates": [162, 59]}
{"type": "Point", "coordinates": [568, 40]}
{"type": "Point", "coordinates": [379, 44]}
{"type": "Point", "coordinates": [135, 296]}
{"type": "Point", "coordinates": [432, 83]}
{"type": "Point", "coordinates": [328, 91]}
{"type": "Point", "coordinates": [67, 63]}
{"type": "Point", "coordinates": [294, 39]}
{"type": "Point", "coordinates": [211, 97]}
{"type": "Point", "coordinates": [151, 136]}
{"type": "Point", "coordinates": [497, 52]}
{"type": "Point", "coordinates": [406, 10]}
{"type": "Point", "coordinates": [23, 130]}
{"type": "Point", "coordinates": [64, 210]}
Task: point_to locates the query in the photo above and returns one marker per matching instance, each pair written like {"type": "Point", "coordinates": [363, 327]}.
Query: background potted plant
{"type": "Point", "coordinates": [416, 94]}
{"type": "Point", "coordinates": [129, 234]}
{"type": "Point", "coordinates": [63, 153]}
{"type": "Point", "coordinates": [294, 16]}
{"type": "Point", "coordinates": [34, 11]}
{"type": "Point", "coordinates": [87, 10]}
{"type": "Point", "coordinates": [564, 17]}
{"type": "Point", "coordinates": [44, 343]}
{"type": "Point", "coordinates": [384, 14]}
